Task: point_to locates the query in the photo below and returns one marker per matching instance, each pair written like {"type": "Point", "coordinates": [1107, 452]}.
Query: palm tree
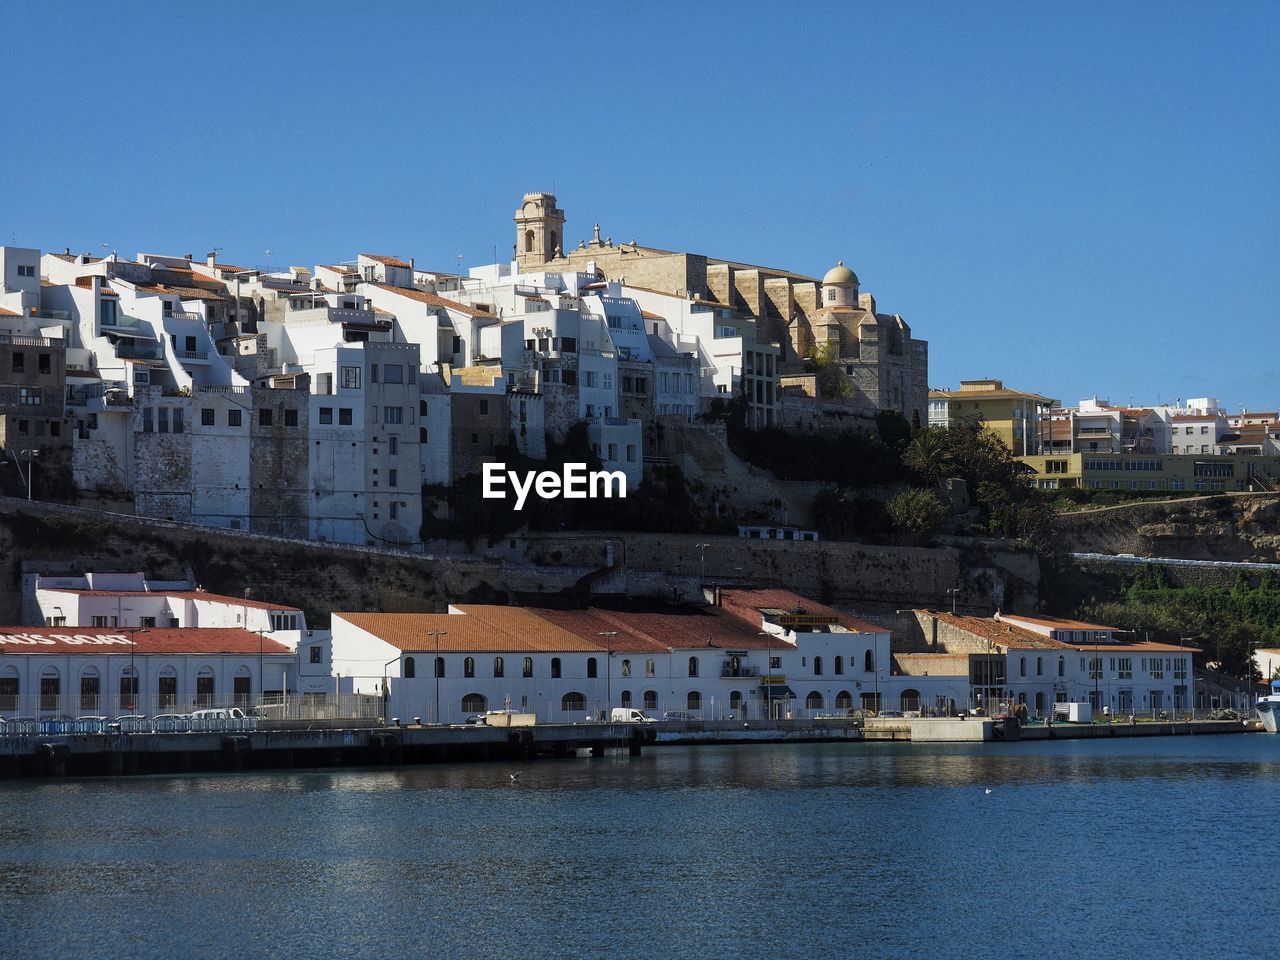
{"type": "Point", "coordinates": [927, 454]}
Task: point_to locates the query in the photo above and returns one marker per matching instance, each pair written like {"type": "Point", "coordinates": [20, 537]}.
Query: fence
{"type": "Point", "coordinates": [85, 713]}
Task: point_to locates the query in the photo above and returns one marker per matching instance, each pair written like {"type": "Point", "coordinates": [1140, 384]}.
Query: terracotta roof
{"type": "Point", "coordinates": [651, 316]}
{"type": "Point", "coordinates": [434, 300]}
{"type": "Point", "coordinates": [747, 604]}
{"type": "Point", "coordinates": [96, 641]}
{"type": "Point", "coordinates": [478, 629]}
{"type": "Point", "coordinates": [6, 312]}
{"type": "Point", "coordinates": [1132, 648]}
{"type": "Point", "coordinates": [1001, 394]}
{"type": "Point", "coordinates": [644, 625]}
{"type": "Point", "coordinates": [1055, 623]}
{"type": "Point", "coordinates": [387, 261]}
{"type": "Point", "coordinates": [71, 258]}
{"type": "Point", "coordinates": [178, 595]}
{"type": "Point", "coordinates": [998, 631]}
{"type": "Point", "coordinates": [224, 266]}
{"type": "Point", "coordinates": [84, 374]}
{"type": "Point", "coordinates": [346, 271]}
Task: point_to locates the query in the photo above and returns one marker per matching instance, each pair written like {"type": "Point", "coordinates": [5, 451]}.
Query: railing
{"type": "Point", "coordinates": [220, 388]}
{"type": "Point", "coordinates": [128, 351]}
{"type": "Point", "coordinates": [23, 340]}
{"type": "Point", "coordinates": [184, 315]}
{"type": "Point", "coordinates": [194, 354]}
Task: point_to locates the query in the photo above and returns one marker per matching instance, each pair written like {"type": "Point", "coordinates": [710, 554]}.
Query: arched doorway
{"type": "Point", "coordinates": [813, 701]}
{"type": "Point", "coordinates": [844, 700]}
{"type": "Point", "coordinates": [573, 702]}
{"type": "Point", "coordinates": [910, 699]}
{"type": "Point", "coordinates": [474, 703]}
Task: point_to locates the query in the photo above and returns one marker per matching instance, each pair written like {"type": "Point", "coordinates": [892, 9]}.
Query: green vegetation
{"type": "Point", "coordinates": [916, 514]}
{"type": "Point", "coordinates": [1224, 622]}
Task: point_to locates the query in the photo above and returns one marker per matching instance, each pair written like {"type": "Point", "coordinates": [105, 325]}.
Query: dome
{"type": "Point", "coordinates": [840, 274]}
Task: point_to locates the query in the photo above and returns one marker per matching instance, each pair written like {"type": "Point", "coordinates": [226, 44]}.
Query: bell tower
{"type": "Point", "coordinates": [539, 231]}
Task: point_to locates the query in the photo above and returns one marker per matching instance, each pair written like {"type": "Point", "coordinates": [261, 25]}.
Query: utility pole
{"type": "Point", "coordinates": [437, 667]}
{"type": "Point", "coordinates": [608, 669]}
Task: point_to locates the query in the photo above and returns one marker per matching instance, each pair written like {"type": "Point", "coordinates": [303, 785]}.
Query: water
{"type": "Point", "coordinates": [1130, 848]}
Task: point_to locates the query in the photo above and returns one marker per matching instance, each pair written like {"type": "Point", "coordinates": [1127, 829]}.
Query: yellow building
{"type": "Point", "coordinates": [1013, 415]}
{"type": "Point", "coordinates": [1147, 472]}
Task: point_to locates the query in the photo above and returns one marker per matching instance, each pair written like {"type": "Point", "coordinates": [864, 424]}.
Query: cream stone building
{"type": "Point", "coordinates": [886, 366]}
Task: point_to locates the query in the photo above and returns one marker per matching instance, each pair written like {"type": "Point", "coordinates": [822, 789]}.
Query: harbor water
{"type": "Point", "coordinates": [1152, 847]}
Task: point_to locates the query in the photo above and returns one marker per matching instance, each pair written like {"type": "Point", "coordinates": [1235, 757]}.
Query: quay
{"type": "Point", "coordinates": [979, 729]}
{"type": "Point", "coordinates": [282, 745]}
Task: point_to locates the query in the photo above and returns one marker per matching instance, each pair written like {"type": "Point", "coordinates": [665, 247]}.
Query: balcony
{"type": "Point", "coordinates": [727, 671]}
{"type": "Point", "coordinates": [134, 351]}
{"type": "Point", "coordinates": [199, 356]}
{"type": "Point", "coordinates": [183, 315]}
{"type": "Point", "coordinates": [22, 340]}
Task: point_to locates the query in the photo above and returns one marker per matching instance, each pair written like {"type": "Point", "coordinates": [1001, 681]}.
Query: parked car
{"type": "Point", "coordinates": [475, 718]}
{"type": "Point", "coordinates": [218, 713]}
{"type": "Point", "coordinates": [678, 715]}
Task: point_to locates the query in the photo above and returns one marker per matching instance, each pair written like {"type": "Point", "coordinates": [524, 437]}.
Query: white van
{"type": "Point", "coordinates": [628, 715]}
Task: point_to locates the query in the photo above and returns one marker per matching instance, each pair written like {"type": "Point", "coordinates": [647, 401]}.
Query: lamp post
{"type": "Point", "coordinates": [386, 692]}
{"type": "Point", "coordinates": [17, 462]}
{"type": "Point", "coordinates": [1191, 674]}
{"type": "Point", "coordinates": [702, 568]}
{"type": "Point", "coordinates": [954, 591]}
{"type": "Point", "coordinates": [608, 668]}
{"type": "Point", "coordinates": [437, 667]}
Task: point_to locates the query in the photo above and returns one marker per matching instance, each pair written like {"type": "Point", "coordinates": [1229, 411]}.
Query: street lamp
{"type": "Point", "coordinates": [608, 666]}
{"type": "Point", "coordinates": [954, 591]}
{"type": "Point", "coordinates": [436, 667]}
{"type": "Point", "coordinates": [17, 462]}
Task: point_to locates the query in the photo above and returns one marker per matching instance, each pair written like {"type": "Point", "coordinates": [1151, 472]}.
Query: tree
{"type": "Point", "coordinates": [916, 514]}
{"type": "Point", "coordinates": [832, 383]}
{"type": "Point", "coordinates": [928, 455]}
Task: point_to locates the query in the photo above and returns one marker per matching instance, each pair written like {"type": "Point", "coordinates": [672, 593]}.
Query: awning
{"type": "Point", "coordinates": [780, 692]}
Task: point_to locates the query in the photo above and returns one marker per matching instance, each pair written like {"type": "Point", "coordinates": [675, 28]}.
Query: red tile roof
{"type": "Point", "coordinates": [1055, 623]}
{"type": "Point", "coordinates": [478, 629]}
{"type": "Point", "coordinates": [999, 632]}
{"type": "Point", "coordinates": [178, 595]}
{"type": "Point", "coordinates": [434, 300]}
{"type": "Point", "coordinates": [747, 604]}
{"type": "Point", "coordinates": [386, 261]}
{"type": "Point", "coordinates": [96, 641]}
{"type": "Point", "coordinates": [6, 312]}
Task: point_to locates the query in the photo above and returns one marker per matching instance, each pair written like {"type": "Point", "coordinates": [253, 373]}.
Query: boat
{"type": "Point", "coordinates": [1269, 708]}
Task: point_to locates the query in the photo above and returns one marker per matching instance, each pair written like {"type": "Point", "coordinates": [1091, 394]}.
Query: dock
{"type": "Point", "coordinates": [284, 745]}
{"type": "Point", "coordinates": [986, 729]}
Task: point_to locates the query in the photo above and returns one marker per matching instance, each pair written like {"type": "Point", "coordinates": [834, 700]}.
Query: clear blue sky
{"type": "Point", "coordinates": [1078, 198]}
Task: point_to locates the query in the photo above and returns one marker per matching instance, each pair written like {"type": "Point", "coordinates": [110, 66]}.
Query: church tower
{"type": "Point", "coordinates": [539, 231]}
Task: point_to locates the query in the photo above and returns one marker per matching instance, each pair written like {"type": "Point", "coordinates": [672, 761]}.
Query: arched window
{"type": "Point", "coordinates": [1022, 666]}
{"type": "Point", "coordinates": [844, 700]}
{"type": "Point", "coordinates": [839, 665]}
{"type": "Point", "coordinates": [694, 700]}
{"type": "Point", "coordinates": [553, 241]}
{"type": "Point", "coordinates": [528, 241]}
{"type": "Point", "coordinates": [651, 699]}
{"type": "Point", "coordinates": [167, 688]}
{"type": "Point", "coordinates": [90, 690]}
{"type": "Point", "coordinates": [650, 669]}
{"type": "Point", "coordinates": [410, 669]}
{"type": "Point", "coordinates": [869, 662]}
{"type": "Point", "coordinates": [693, 666]}
{"type": "Point", "coordinates": [817, 666]}
{"type": "Point", "coordinates": [910, 699]}
{"type": "Point", "coordinates": [241, 687]}
{"type": "Point", "coordinates": [813, 701]}
{"type": "Point", "coordinates": [10, 690]}
{"type": "Point", "coordinates": [572, 702]}
{"type": "Point", "coordinates": [468, 667]}
{"type": "Point", "coordinates": [205, 687]}
{"type": "Point", "coordinates": [528, 666]}
{"type": "Point", "coordinates": [735, 699]}
{"type": "Point", "coordinates": [439, 666]}
{"type": "Point", "coordinates": [1039, 666]}
{"type": "Point", "coordinates": [499, 667]}
{"type": "Point", "coordinates": [474, 703]}
{"type": "Point", "coordinates": [592, 669]}
{"type": "Point", "coordinates": [1039, 703]}
{"type": "Point", "coordinates": [626, 668]}
{"type": "Point", "coordinates": [1062, 666]}
{"type": "Point", "coordinates": [555, 668]}
{"type": "Point", "coordinates": [626, 698]}
{"type": "Point", "coordinates": [50, 688]}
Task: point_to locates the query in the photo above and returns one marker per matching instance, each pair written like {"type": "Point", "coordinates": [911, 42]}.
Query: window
{"type": "Point", "coordinates": [528, 667]}
{"type": "Point", "coordinates": [393, 414]}
{"type": "Point", "coordinates": [475, 703]}
{"type": "Point", "coordinates": [205, 687]}
{"type": "Point", "coordinates": [555, 668]}
{"type": "Point", "coordinates": [869, 662]}
{"type": "Point", "coordinates": [89, 691]}
{"type": "Point", "coordinates": [291, 417]}
{"type": "Point", "coordinates": [233, 418]}
{"type": "Point", "coordinates": [264, 417]}
{"type": "Point", "coordinates": [393, 373]}
{"type": "Point", "coordinates": [326, 414]}
{"type": "Point", "coordinates": [626, 668]}
{"type": "Point", "coordinates": [44, 363]}
{"type": "Point", "coordinates": [162, 419]}
{"type": "Point", "coordinates": [499, 667]}
{"type": "Point", "coordinates": [147, 622]}
{"type": "Point", "coordinates": [207, 415]}
{"type": "Point", "coordinates": [1022, 666]}
{"type": "Point", "coordinates": [694, 700]}
{"type": "Point", "coordinates": [344, 416]}
{"type": "Point", "coordinates": [775, 663]}
{"type": "Point", "coordinates": [649, 668]}
{"type": "Point", "coordinates": [817, 666]}
{"type": "Point", "coordinates": [693, 666]}
{"type": "Point", "coordinates": [392, 474]}
{"type": "Point", "coordinates": [626, 698]}
{"type": "Point", "coordinates": [839, 665]}
{"type": "Point", "coordinates": [19, 362]}
{"type": "Point", "coordinates": [350, 378]}
{"type": "Point", "coordinates": [316, 654]}
{"type": "Point", "coordinates": [167, 687]}
{"type": "Point", "coordinates": [573, 702]}
{"type": "Point", "coordinates": [439, 666]}
{"type": "Point", "coordinates": [591, 668]}
{"type": "Point", "coordinates": [484, 407]}
{"type": "Point", "coordinates": [284, 621]}
{"type": "Point", "coordinates": [393, 448]}
{"type": "Point", "coordinates": [26, 270]}
{"type": "Point", "coordinates": [177, 420]}
{"type": "Point", "coordinates": [469, 667]}
{"type": "Point", "coordinates": [651, 699]}
{"type": "Point", "coordinates": [147, 424]}
{"type": "Point", "coordinates": [1039, 666]}
{"type": "Point", "coordinates": [410, 668]}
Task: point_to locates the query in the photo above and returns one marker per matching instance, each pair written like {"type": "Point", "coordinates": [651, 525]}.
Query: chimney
{"type": "Point", "coordinates": [412, 261]}
{"type": "Point", "coordinates": [189, 257]}
{"type": "Point", "coordinates": [212, 257]}
{"type": "Point", "coordinates": [66, 251]}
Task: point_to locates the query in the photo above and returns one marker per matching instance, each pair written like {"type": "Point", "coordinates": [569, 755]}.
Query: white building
{"type": "Point", "coordinates": [752, 653]}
